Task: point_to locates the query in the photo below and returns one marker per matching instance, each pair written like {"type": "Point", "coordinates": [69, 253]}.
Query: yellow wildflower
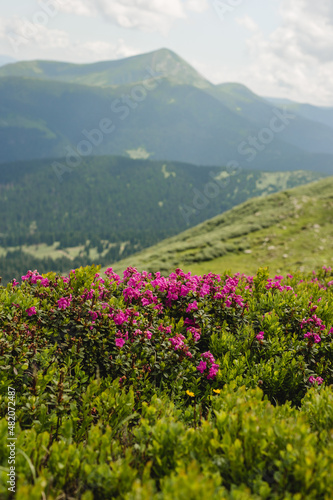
{"type": "Point", "coordinates": [189, 393]}
{"type": "Point", "coordinates": [217, 391]}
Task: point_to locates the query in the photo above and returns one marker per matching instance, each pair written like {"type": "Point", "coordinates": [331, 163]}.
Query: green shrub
{"type": "Point", "coordinates": [152, 387]}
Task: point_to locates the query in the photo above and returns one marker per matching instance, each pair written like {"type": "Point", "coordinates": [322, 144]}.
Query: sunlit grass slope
{"type": "Point", "coordinates": [290, 230]}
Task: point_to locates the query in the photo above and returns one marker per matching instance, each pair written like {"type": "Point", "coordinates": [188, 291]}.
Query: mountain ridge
{"type": "Point", "coordinates": [111, 72]}
{"type": "Point", "coordinates": [161, 107]}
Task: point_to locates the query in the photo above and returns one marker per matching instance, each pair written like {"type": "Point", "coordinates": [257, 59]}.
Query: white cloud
{"type": "Point", "coordinates": [99, 50]}
{"type": "Point", "coordinates": [146, 15]}
{"type": "Point", "coordinates": [248, 23]}
{"type": "Point", "coordinates": [23, 36]}
{"type": "Point", "coordinates": [197, 5]}
{"type": "Point", "coordinates": [78, 7]}
{"type": "Point", "coordinates": [20, 32]}
{"type": "Point", "coordinates": [296, 59]}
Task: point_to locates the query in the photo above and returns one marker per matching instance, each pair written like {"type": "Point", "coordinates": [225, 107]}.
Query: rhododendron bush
{"type": "Point", "coordinates": [93, 354]}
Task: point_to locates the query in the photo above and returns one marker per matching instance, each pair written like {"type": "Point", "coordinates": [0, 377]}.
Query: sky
{"type": "Point", "coordinates": [278, 48]}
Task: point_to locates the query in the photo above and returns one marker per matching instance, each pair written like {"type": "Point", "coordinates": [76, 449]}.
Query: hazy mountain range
{"type": "Point", "coordinates": [154, 106]}
{"type": "Point", "coordinates": [99, 161]}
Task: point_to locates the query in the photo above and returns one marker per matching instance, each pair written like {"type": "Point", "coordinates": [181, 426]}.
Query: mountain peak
{"type": "Point", "coordinates": [175, 69]}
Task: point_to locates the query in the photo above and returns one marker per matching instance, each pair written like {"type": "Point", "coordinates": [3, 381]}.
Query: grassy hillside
{"type": "Point", "coordinates": [45, 107]}
{"type": "Point", "coordinates": [111, 207]}
{"type": "Point", "coordinates": [286, 231]}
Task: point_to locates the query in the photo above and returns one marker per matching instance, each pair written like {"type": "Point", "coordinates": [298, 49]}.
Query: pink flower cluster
{"type": "Point", "coordinates": [228, 294]}
{"type": "Point", "coordinates": [276, 284]}
{"type": "Point", "coordinates": [93, 315]}
{"type": "Point", "coordinates": [260, 336]}
{"type": "Point", "coordinates": [313, 380]}
{"type": "Point", "coordinates": [314, 323]}
{"type": "Point", "coordinates": [196, 332]}
{"type": "Point", "coordinates": [31, 311]}
{"type": "Point", "coordinates": [177, 341]}
{"type": "Point", "coordinates": [121, 338]}
{"type": "Point", "coordinates": [209, 365]}
{"type": "Point", "coordinates": [315, 336]}
{"type": "Point", "coordinates": [64, 302]}
{"type": "Point", "coordinates": [193, 306]}
{"type": "Point", "coordinates": [112, 275]}
{"type": "Point", "coordinates": [121, 317]}
{"type": "Point", "coordinates": [179, 345]}
{"type": "Point", "coordinates": [181, 293]}
{"type": "Point", "coordinates": [34, 277]}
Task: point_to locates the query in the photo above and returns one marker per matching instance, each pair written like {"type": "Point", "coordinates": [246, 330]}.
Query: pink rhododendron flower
{"type": "Point", "coordinates": [315, 336]}
{"type": "Point", "coordinates": [260, 336]}
{"type": "Point", "coordinates": [112, 276]}
{"type": "Point", "coordinates": [93, 315]}
{"type": "Point", "coordinates": [202, 366]}
{"type": "Point", "coordinates": [31, 311]}
{"type": "Point", "coordinates": [313, 380]}
{"type": "Point", "coordinates": [208, 355]}
{"type": "Point", "coordinates": [184, 290]}
{"type": "Point", "coordinates": [120, 342]}
{"type": "Point", "coordinates": [195, 332]}
{"type": "Point", "coordinates": [28, 275]}
{"type": "Point", "coordinates": [213, 371]}
{"type": "Point", "coordinates": [204, 290]}
{"type": "Point", "coordinates": [177, 341]}
{"type": "Point", "coordinates": [64, 302]}
{"type": "Point", "coordinates": [120, 318]}
{"type": "Point", "coordinates": [192, 307]}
